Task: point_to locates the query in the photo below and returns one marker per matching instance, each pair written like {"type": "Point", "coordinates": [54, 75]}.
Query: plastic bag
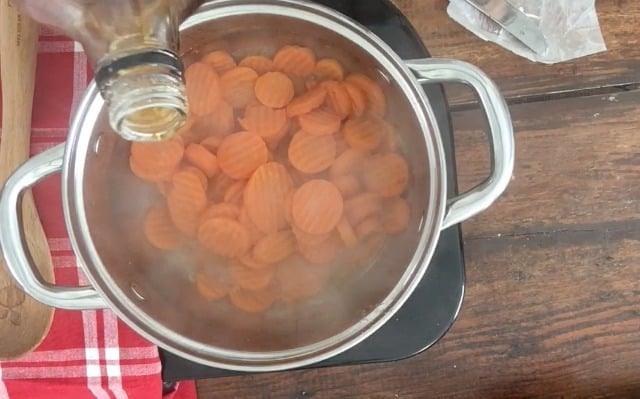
{"type": "Point", "coordinates": [570, 27]}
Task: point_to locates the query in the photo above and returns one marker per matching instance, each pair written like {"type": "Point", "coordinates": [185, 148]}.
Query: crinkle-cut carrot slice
{"type": "Point", "coordinates": [317, 207]}
{"type": "Point", "coordinates": [190, 170]}
{"type": "Point", "coordinates": [358, 99]}
{"type": "Point", "coordinates": [240, 154]}
{"type": "Point", "coordinates": [369, 226]}
{"type": "Point", "coordinates": [223, 210]}
{"type": "Point", "coordinates": [376, 100]}
{"type": "Point", "coordinates": [349, 163]}
{"type": "Point", "coordinates": [322, 253]}
{"type": "Point", "coordinates": [310, 153]}
{"type": "Point", "coordinates": [320, 122]}
{"type": "Point", "coordinates": [274, 248]}
{"type": "Point", "coordinates": [160, 157]}
{"type": "Point", "coordinates": [264, 195]}
{"type": "Point", "coordinates": [252, 301]}
{"type": "Point", "coordinates": [258, 63]}
{"type": "Point", "coordinates": [266, 122]}
{"type": "Point", "coordinates": [365, 133]}
{"type": "Point", "coordinates": [338, 99]}
{"type": "Point", "coordinates": [238, 86]}
{"type": "Point", "coordinates": [224, 237]}
{"type": "Point", "coordinates": [308, 239]}
{"type": "Point", "coordinates": [250, 261]}
{"type": "Point", "coordinates": [307, 102]}
{"type": "Point", "coordinates": [212, 144]}
{"type": "Point", "coordinates": [221, 61]}
{"type": "Point", "coordinates": [185, 217]}
{"type": "Point", "coordinates": [297, 279]}
{"type": "Point", "coordinates": [202, 88]}
{"type": "Point", "coordinates": [235, 192]}
{"type": "Point", "coordinates": [198, 156]}
{"type": "Point", "coordinates": [159, 229]}
{"type": "Point", "coordinates": [218, 186]}
{"type": "Point", "coordinates": [213, 282]}
{"type": "Point", "coordinates": [252, 279]}
{"type": "Point", "coordinates": [397, 216]}
{"type": "Point", "coordinates": [218, 123]}
{"type": "Point", "coordinates": [386, 175]}
{"type": "Point", "coordinates": [295, 60]}
{"type": "Point", "coordinates": [329, 69]}
{"type": "Point", "coordinates": [361, 207]}
{"type": "Point", "coordinates": [288, 203]}
{"type": "Point", "coordinates": [274, 89]}
{"type": "Point", "coordinates": [255, 233]}
{"type": "Point", "coordinates": [348, 185]}
{"type": "Point", "coordinates": [150, 175]}
{"type": "Point", "coordinates": [347, 233]}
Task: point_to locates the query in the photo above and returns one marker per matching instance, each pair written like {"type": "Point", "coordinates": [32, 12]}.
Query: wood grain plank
{"type": "Point", "coordinates": [519, 77]}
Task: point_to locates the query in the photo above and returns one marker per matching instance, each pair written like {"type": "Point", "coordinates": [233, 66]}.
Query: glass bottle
{"type": "Point", "coordinates": [132, 46]}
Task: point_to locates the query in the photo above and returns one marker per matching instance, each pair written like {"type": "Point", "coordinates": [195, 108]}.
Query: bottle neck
{"type": "Point", "coordinates": [145, 94]}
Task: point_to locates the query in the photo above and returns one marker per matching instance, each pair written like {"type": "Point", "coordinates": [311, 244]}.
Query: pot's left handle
{"type": "Point", "coordinates": [12, 240]}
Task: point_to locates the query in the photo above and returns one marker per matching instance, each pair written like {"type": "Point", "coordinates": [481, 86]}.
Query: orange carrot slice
{"type": "Point", "coordinates": [375, 96]}
{"type": "Point", "coordinates": [266, 122]}
{"type": "Point", "coordinates": [213, 282]}
{"type": "Point", "coordinates": [369, 226]}
{"type": "Point", "coordinates": [307, 239]}
{"type": "Point", "coordinates": [348, 185]}
{"type": "Point", "coordinates": [219, 123]}
{"type": "Point", "coordinates": [212, 144]}
{"type": "Point", "coordinates": [320, 122]}
{"type": "Point", "coordinates": [386, 175]}
{"type": "Point", "coordinates": [221, 61]}
{"type": "Point", "coordinates": [203, 159]}
{"type": "Point", "coordinates": [249, 261]}
{"type": "Point", "coordinates": [288, 202]}
{"type": "Point", "coordinates": [320, 254]}
{"type": "Point", "coordinates": [218, 187]}
{"type": "Point", "coordinates": [159, 230]}
{"type": "Point", "coordinates": [361, 207]}
{"type": "Point", "coordinates": [252, 301]}
{"type": "Point", "coordinates": [240, 154]}
{"type": "Point", "coordinates": [364, 134]}
{"type": "Point", "coordinates": [338, 99]}
{"type": "Point", "coordinates": [307, 102]}
{"type": "Point", "coordinates": [254, 232]}
{"type": "Point", "coordinates": [258, 63]}
{"type": "Point", "coordinates": [329, 69]}
{"type": "Point", "coordinates": [203, 88]}
{"type": "Point", "coordinates": [317, 207]}
{"type": "Point", "coordinates": [149, 175]}
{"type": "Point", "coordinates": [349, 163]}
{"type": "Point", "coordinates": [347, 233]}
{"type": "Point", "coordinates": [238, 85]}
{"type": "Point", "coordinates": [295, 60]}
{"type": "Point", "coordinates": [275, 248]}
{"type": "Point", "coordinates": [160, 157]}
{"type": "Point", "coordinates": [224, 237]}
{"type": "Point", "coordinates": [274, 89]}
{"type": "Point", "coordinates": [189, 170]}
{"type": "Point", "coordinates": [185, 217]}
{"type": "Point", "coordinates": [235, 192]}
{"type": "Point", "coordinates": [252, 279]}
{"type": "Point", "coordinates": [264, 196]}
{"type": "Point", "coordinates": [224, 210]}
{"type": "Point", "coordinates": [396, 218]}
{"type": "Point", "coordinates": [310, 153]}
{"type": "Point", "coordinates": [358, 99]}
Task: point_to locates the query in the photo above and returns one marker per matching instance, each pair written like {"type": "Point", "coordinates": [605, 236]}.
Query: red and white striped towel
{"type": "Point", "coordinates": [89, 354]}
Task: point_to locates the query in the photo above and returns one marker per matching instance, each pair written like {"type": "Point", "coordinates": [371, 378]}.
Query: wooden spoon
{"type": "Point", "coordinates": [24, 322]}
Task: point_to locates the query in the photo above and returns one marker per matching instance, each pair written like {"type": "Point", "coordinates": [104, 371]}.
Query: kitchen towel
{"type": "Point", "coordinates": [89, 354]}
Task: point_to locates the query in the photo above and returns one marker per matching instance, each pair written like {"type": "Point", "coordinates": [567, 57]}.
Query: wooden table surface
{"type": "Point", "coordinates": [552, 307]}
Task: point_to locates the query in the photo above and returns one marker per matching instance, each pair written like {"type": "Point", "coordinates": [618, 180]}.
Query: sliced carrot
{"type": "Point", "coordinates": [250, 261]}
{"type": "Point", "coordinates": [288, 202]}
{"type": "Point", "coordinates": [185, 208]}
{"type": "Point", "coordinates": [307, 102]}
{"type": "Point", "coordinates": [361, 207]}
{"type": "Point", "coordinates": [221, 61]}
{"type": "Point", "coordinates": [238, 86]}
{"type": "Point", "coordinates": [310, 153]}
{"type": "Point", "coordinates": [219, 123]}
{"type": "Point", "coordinates": [298, 280]}
{"type": "Point", "coordinates": [266, 122]}
{"type": "Point", "coordinates": [213, 282]}
{"type": "Point", "coordinates": [320, 254]}
{"type": "Point", "coordinates": [295, 60]}
{"type": "Point", "coordinates": [159, 229]}
{"type": "Point", "coordinates": [338, 99]}
{"type": "Point", "coordinates": [255, 233]}
{"type": "Point", "coordinates": [235, 192]}
{"type": "Point", "coordinates": [349, 163]}
{"type": "Point", "coordinates": [307, 239]}
{"type": "Point", "coordinates": [149, 175]}
{"type": "Point", "coordinates": [365, 133]}
{"type": "Point", "coordinates": [375, 96]}
{"type": "Point", "coordinates": [358, 99]}
{"type": "Point", "coordinates": [252, 279]}
{"type": "Point", "coordinates": [329, 69]}
{"type": "Point", "coordinates": [320, 122]}
{"type": "Point", "coordinates": [200, 157]}
{"type": "Point", "coordinates": [274, 89]}
{"type": "Point", "coordinates": [348, 185]}
{"type": "Point", "coordinates": [240, 154]}
{"type": "Point", "coordinates": [264, 195]}
{"type": "Point", "coordinates": [224, 210]}
{"type": "Point", "coordinates": [397, 216]}
{"type": "Point", "coordinates": [258, 63]}
{"type": "Point", "coordinates": [160, 158]}
{"type": "Point", "coordinates": [203, 88]}
{"type": "Point", "coordinates": [275, 248]}
{"type": "Point", "coordinates": [212, 144]}
{"type": "Point", "coordinates": [218, 186]}
{"type": "Point", "coordinates": [252, 301]}
{"type": "Point", "coordinates": [317, 207]}
{"type": "Point", "coordinates": [224, 237]}
{"type": "Point", "coordinates": [190, 170]}
{"type": "Point", "coordinates": [347, 233]}
{"type": "Point", "coordinates": [387, 175]}
{"type": "Point", "coordinates": [369, 226]}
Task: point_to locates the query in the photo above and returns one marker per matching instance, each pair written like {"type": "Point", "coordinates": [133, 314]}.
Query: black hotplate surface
{"type": "Point", "coordinates": [433, 307]}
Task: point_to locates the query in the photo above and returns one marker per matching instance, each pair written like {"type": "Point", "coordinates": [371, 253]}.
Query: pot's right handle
{"type": "Point", "coordinates": [16, 257]}
{"type": "Point", "coordinates": [501, 140]}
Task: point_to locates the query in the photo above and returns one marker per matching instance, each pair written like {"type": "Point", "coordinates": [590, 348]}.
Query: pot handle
{"type": "Point", "coordinates": [12, 241]}
{"type": "Point", "coordinates": [501, 140]}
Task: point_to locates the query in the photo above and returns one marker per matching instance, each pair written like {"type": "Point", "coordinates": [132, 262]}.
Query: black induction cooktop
{"type": "Point", "coordinates": [433, 307]}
